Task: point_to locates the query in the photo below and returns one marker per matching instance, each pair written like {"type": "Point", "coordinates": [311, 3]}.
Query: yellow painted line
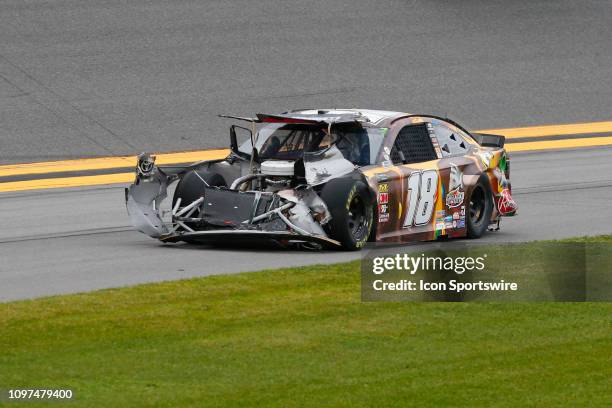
{"type": "Point", "coordinates": [67, 182]}
{"type": "Point", "coordinates": [107, 162]}
{"type": "Point", "coordinates": [187, 157]}
{"type": "Point", "coordinates": [121, 178]}
{"type": "Point", "coordinates": [552, 130]}
{"type": "Point", "coordinates": [558, 144]}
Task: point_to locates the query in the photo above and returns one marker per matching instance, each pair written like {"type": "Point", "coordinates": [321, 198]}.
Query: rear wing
{"type": "Point", "coordinates": [322, 118]}
{"type": "Point", "coordinates": [487, 140]}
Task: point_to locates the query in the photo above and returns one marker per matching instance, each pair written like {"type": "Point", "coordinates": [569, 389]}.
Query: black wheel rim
{"type": "Point", "coordinates": [477, 205]}
{"type": "Point", "coordinates": [357, 220]}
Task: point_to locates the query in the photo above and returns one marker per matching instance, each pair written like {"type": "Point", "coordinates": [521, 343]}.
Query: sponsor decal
{"type": "Point", "coordinates": [448, 225]}
{"type": "Point", "coordinates": [386, 155]}
{"type": "Point", "coordinates": [448, 218]}
{"type": "Point", "coordinates": [506, 204]}
{"type": "Point", "coordinates": [381, 177]}
{"type": "Point", "coordinates": [460, 217]}
{"type": "Point", "coordinates": [383, 198]}
{"type": "Point", "coordinates": [503, 163]}
{"type": "Point", "coordinates": [439, 223]}
{"type": "Point", "coordinates": [455, 195]}
{"type": "Point", "coordinates": [454, 198]}
{"type": "Point", "coordinates": [454, 223]}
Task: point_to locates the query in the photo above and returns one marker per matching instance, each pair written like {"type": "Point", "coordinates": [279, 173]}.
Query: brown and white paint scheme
{"type": "Point", "coordinates": [394, 179]}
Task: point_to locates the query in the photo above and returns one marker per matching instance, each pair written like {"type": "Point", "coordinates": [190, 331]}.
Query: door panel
{"type": "Point", "coordinates": [408, 196]}
{"type": "Point", "coordinates": [423, 201]}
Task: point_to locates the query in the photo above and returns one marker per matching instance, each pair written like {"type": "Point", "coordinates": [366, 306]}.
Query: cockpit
{"type": "Point", "coordinates": [357, 144]}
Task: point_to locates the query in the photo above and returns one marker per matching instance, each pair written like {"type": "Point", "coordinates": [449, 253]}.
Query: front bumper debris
{"type": "Point", "coordinates": [224, 215]}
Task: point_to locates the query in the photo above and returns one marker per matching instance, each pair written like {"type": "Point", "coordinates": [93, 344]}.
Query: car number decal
{"type": "Point", "coordinates": [422, 188]}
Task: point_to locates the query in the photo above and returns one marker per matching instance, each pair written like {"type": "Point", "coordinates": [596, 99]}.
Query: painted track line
{"type": "Point", "coordinates": [552, 130]}
{"type": "Point", "coordinates": [192, 156]}
{"type": "Point", "coordinates": [119, 178]}
{"type": "Point", "coordinates": [589, 132]}
{"type": "Point", "coordinates": [65, 182]}
{"type": "Point", "coordinates": [107, 162]}
{"type": "Point", "coordinates": [559, 144]}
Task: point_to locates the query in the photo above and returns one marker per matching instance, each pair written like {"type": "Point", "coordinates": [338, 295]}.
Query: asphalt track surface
{"type": "Point", "coordinates": [82, 78]}
{"type": "Point", "coordinates": [100, 78]}
{"type": "Point", "coordinates": [64, 241]}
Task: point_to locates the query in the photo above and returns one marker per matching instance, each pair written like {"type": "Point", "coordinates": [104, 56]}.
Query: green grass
{"type": "Point", "coordinates": [302, 337]}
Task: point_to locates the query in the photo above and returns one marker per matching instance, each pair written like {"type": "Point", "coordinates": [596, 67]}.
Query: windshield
{"type": "Point", "coordinates": [289, 142]}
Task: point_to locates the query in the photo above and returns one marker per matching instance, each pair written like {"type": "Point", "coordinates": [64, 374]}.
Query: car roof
{"type": "Point", "coordinates": [367, 117]}
{"type": "Point", "coordinates": [370, 116]}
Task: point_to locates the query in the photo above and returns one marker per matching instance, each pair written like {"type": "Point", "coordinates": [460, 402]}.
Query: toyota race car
{"type": "Point", "coordinates": [331, 178]}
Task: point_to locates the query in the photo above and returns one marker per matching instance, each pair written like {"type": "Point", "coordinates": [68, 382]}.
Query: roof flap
{"type": "Point", "coordinates": [349, 117]}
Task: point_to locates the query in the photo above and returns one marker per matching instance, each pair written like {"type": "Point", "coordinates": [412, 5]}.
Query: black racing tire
{"type": "Point", "coordinates": [350, 204]}
{"type": "Point", "coordinates": [191, 186]}
{"type": "Point", "coordinates": [480, 208]}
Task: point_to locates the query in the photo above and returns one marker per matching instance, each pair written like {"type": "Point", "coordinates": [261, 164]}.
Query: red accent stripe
{"type": "Point", "coordinates": [277, 119]}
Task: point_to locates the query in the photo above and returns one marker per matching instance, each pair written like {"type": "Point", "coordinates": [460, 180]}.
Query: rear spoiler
{"type": "Point", "coordinates": [487, 140]}
{"type": "Point", "coordinates": [305, 118]}
{"type": "Point", "coordinates": [301, 118]}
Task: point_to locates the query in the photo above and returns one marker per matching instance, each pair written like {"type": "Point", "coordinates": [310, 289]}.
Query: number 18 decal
{"type": "Point", "coordinates": [422, 188]}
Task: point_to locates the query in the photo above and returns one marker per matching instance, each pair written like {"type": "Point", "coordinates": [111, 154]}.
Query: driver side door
{"type": "Point", "coordinates": [410, 193]}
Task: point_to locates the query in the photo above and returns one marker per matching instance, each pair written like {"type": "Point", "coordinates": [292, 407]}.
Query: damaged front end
{"type": "Point", "coordinates": [282, 212]}
{"type": "Point", "coordinates": [143, 198]}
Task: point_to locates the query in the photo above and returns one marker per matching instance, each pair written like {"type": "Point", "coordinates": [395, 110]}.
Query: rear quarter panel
{"type": "Point", "coordinates": [456, 179]}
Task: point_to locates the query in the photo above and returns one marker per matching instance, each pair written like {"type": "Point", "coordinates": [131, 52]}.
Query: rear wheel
{"type": "Point", "coordinates": [192, 184]}
{"type": "Point", "coordinates": [350, 204]}
{"type": "Point", "coordinates": [479, 209]}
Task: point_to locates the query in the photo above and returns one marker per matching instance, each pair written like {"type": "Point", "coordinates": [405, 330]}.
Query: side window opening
{"type": "Point", "coordinates": [451, 143]}
{"type": "Point", "coordinates": [413, 145]}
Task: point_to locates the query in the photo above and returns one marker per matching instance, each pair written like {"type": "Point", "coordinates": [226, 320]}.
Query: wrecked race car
{"type": "Point", "coordinates": [331, 178]}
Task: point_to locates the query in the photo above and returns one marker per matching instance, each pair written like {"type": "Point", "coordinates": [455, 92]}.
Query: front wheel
{"type": "Point", "coordinates": [191, 186]}
{"type": "Point", "coordinates": [351, 206]}
{"type": "Point", "coordinates": [480, 208]}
